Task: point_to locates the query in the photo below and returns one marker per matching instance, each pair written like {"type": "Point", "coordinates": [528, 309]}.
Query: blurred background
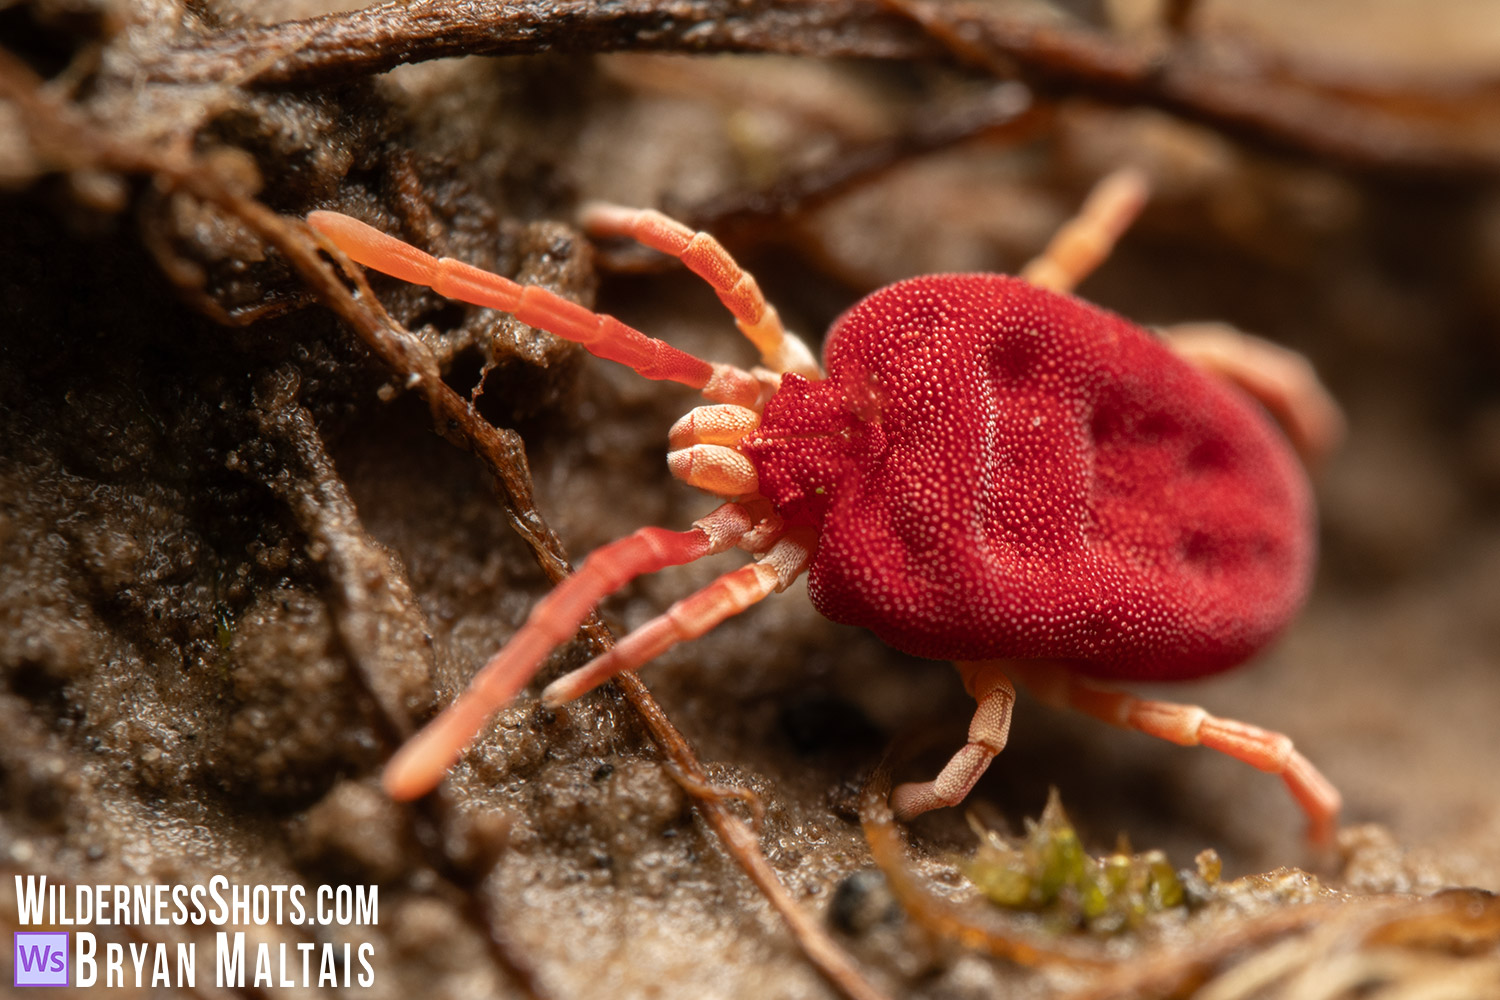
{"type": "Point", "coordinates": [230, 541]}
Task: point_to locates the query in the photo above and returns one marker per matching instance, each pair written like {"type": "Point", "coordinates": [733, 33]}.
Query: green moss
{"type": "Point", "coordinates": [1049, 872]}
{"type": "Point", "coordinates": [223, 627]}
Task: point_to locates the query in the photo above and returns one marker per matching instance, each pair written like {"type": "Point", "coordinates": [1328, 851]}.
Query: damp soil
{"type": "Point", "coordinates": [238, 561]}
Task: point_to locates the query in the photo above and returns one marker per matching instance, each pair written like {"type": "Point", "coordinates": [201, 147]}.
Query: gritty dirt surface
{"type": "Point", "coordinates": [237, 565]}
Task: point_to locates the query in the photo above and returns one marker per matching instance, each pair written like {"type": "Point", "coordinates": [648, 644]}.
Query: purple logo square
{"type": "Point", "coordinates": [41, 958]}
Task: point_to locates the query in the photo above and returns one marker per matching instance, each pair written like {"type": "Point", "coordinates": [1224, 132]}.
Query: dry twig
{"type": "Point", "coordinates": [1401, 125]}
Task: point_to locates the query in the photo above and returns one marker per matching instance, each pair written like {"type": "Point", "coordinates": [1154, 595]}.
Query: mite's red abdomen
{"type": "Point", "coordinates": [1002, 471]}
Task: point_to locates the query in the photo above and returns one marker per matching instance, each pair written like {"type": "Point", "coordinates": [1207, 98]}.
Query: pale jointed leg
{"type": "Point", "coordinates": [692, 616]}
{"type": "Point", "coordinates": [703, 452]}
{"type": "Point", "coordinates": [719, 424]}
{"type": "Point", "coordinates": [988, 731]}
{"type": "Point", "coordinates": [419, 765]}
{"type": "Point", "coordinates": [1084, 242]}
{"type": "Point", "coordinates": [1189, 725]}
{"type": "Point", "coordinates": [706, 257]}
{"type": "Point", "coordinates": [602, 336]}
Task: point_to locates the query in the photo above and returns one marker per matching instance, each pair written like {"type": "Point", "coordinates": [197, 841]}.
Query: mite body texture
{"type": "Point", "coordinates": [989, 471]}
{"type": "Point", "coordinates": [995, 469]}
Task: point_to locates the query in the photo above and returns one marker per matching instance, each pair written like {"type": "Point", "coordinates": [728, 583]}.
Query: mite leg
{"type": "Point", "coordinates": [602, 336]}
{"type": "Point", "coordinates": [1189, 725]}
{"type": "Point", "coordinates": [419, 765]}
{"type": "Point", "coordinates": [706, 257]}
{"type": "Point", "coordinates": [1281, 379]}
{"type": "Point", "coordinates": [703, 453]}
{"type": "Point", "coordinates": [1084, 242]}
{"type": "Point", "coordinates": [988, 731]}
{"type": "Point", "coordinates": [690, 617]}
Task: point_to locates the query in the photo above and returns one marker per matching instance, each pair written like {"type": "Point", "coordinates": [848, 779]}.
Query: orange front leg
{"type": "Point", "coordinates": [691, 617]}
{"type": "Point", "coordinates": [603, 336]}
{"type": "Point", "coordinates": [419, 765]}
{"type": "Point", "coordinates": [706, 257]}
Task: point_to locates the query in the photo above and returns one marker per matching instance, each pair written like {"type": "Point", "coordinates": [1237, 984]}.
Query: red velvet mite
{"type": "Point", "coordinates": [991, 471]}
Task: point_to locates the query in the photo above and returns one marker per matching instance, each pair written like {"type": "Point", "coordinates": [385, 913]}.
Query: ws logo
{"type": "Point", "coordinates": [41, 959]}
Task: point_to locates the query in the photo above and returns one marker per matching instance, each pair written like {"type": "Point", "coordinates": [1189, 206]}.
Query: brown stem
{"type": "Point", "coordinates": [1405, 124]}
{"type": "Point", "coordinates": [1006, 113]}
{"type": "Point", "coordinates": [816, 943]}
{"type": "Point", "coordinates": [336, 48]}
{"type": "Point", "coordinates": [1389, 124]}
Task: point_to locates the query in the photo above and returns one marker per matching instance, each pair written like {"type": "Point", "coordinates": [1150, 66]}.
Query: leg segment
{"type": "Point", "coordinates": [419, 765]}
{"type": "Point", "coordinates": [706, 257]}
{"type": "Point", "coordinates": [690, 617]}
{"type": "Point", "coordinates": [988, 732]}
{"type": "Point", "coordinates": [1085, 241]}
{"type": "Point", "coordinates": [720, 424]}
{"type": "Point", "coordinates": [713, 468]}
{"type": "Point", "coordinates": [602, 336]}
{"type": "Point", "coordinates": [704, 453]}
{"type": "Point", "coordinates": [1189, 725]}
{"type": "Point", "coordinates": [1281, 379]}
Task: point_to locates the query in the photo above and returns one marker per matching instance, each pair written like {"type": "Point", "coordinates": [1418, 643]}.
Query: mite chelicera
{"type": "Point", "coordinates": [991, 472]}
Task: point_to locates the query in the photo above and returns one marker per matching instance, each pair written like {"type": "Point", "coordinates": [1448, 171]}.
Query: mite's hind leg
{"type": "Point", "coordinates": [1083, 243]}
{"type": "Point", "coordinates": [988, 732]}
{"type": "Point", "coordinates": [1189, 725]}
{"type": "Point", "coordinates": [1281, 379]}
{"type": "Point", "coordinates": [706, 257]}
